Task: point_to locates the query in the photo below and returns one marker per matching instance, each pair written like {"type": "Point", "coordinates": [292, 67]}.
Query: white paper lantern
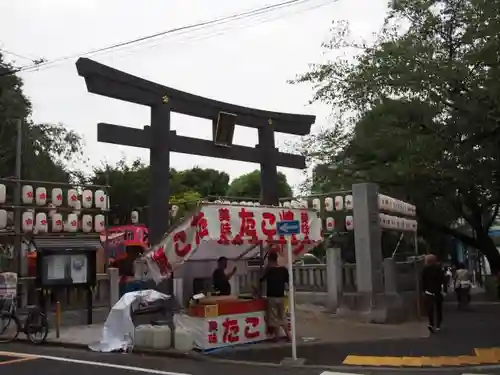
{"type": "Point", "coordinates": [57, 222]}
{"type": "Point", "coordinates": [78, 208]}
{"type": "Point", "coordinates": [3, 193]}
{"type": "Point", "coordinates": [27, 221]}
{"type": "Point", "coordinates": [41, 196]}
{"type": "Point", "coordinates": [304, 203]}
{"type": "Point", "coordinates": [392, 222]}
{"type": "Point", "coordinates": [287, 204]}
{"type": "Point", "coordinates": [57, 197]}
{"type": "Point", "coordinates": [27, 194]}
{"type": "Point", "coordinates": [134, 217]}
{"type": "Point", "coordinates": [86, 223]}
{"type": "Point", "coordinates": [173, 210]}
{"type": "Point", "coordinates": [329, 204]}
{"type": "Point", "coordinates": [3, 219]}
{"type": "Point", "coordinates": [100, 199]}
{"type": "Point", "coordinates": [400, 223]}
{"type": "Point", "coordinates": [330, 224]}
{"type": "Point", "coordinates": [72, 197]}
{"type": "Point", "coordinates": [348, 202]}
{"type": "Point", "coordinates": [41, 224]}
{"type": "Point", "coordinates": [381, 220]}
{"type": "Point", "coordinates": [349, 223]}
{"type": "Point", "coordinates": [87, 198]}
{"type": "Point", "coordinates": [316, 204]}
{"type": "Point", "coordinates": [413, 225]}
{"type": "Point", "coordinates": [339, 203]}
{"type": "Point", "coordinates": [392, 204]}
{"type": "Point", "coordinates": [99, 223]}
{"type": "Point", "coordinates": [72, 224]}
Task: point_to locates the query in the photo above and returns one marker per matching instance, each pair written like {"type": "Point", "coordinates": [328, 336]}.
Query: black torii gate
{"type": "Point", "coordinates": [104, 80]}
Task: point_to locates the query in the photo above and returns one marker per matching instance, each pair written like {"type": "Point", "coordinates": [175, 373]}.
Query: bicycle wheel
{"type": "Point", "coordinates": [9, 327]}
{"type": "Point", "coordinates": [36, 327]}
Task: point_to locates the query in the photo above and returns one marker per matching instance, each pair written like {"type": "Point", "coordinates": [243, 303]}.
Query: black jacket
{"type": "Point", "coordinates": [433, 279]}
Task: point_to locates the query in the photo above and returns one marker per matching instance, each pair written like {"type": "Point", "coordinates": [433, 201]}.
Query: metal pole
{"type": "Point", "coordinates": [291, 297]}
{"type": "Point", "coordinates": [17, 200]}
{"type": "Point", "coordinates": [417, 275]}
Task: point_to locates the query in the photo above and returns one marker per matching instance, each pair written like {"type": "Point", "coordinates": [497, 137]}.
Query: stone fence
{"type": "Point", "coordinates": [313, 278]}
{"type": "Point", "coordinates": [311, 282]}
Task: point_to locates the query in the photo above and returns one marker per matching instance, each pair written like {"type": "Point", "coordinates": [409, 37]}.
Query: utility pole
{"type": "Point", "coordinates": [21, 261]}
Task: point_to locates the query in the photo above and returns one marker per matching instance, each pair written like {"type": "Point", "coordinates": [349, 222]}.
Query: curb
{"type": "Point", "coordinates": [172, 353]}
{"type": "Point", "coordinates": [207, 358]}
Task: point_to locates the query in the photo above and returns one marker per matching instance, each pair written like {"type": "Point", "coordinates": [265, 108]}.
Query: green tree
{"type": "Point", "coordinates": [47, 149]}
{"type": "Point", "coordinates": [426, 102]}
{"type": "Point", "coordinates": [130, 187]}
{"type": "Point", "coordinates": [204, 181]}
{"type": "Point", "coordinates": [248, 186]}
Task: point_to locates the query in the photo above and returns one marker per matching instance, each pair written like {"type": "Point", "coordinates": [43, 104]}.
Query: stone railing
{"type": "Point", "coordinates": [307, 278]}
{"type": "Point", "coordinates": [313, 277]}
{"type": "Point", "coordinates": [70, 299]}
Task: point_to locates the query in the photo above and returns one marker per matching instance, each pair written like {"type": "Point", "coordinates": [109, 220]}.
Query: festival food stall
{"type": "Point", "coordinates": [238, 233]}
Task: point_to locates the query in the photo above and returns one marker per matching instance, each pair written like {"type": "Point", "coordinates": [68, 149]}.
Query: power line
{"type": "Point", "coordinates": [260, 20]}
{"type": "Point", "coordinates": [16, 55]}
{"type": "Point", "coordinates": [177, 30]}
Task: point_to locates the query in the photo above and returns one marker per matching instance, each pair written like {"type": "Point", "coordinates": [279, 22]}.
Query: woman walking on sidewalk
{"type": "Point", "coordinates": [433, 280]}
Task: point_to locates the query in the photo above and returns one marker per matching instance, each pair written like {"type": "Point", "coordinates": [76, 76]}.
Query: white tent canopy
{"type": "Point", "coordinates": [232, 231]}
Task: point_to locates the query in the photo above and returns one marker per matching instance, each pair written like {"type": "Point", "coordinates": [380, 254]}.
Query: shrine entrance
{"type": "Point", "coordinates": [104, 80]}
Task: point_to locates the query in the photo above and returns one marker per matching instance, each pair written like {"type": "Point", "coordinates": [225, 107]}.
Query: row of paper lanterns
{"type": "Point", "coordinates": [386, 222]}
{"type": "Point", "coordinates": [39, 222]}
{"type": "Point", "coordinates": [40, 197]}
{"type": "Point", "coordinates": [389, 204]}
{"type": "Point", "coordinates": [339, 203]}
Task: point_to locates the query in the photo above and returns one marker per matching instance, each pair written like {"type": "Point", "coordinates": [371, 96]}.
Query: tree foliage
{"type": "Point", "coordinates": [47, 149]}
{"type": "Point", "coordinates": [248, 186]}
{"type": "Point", "coordinates": [130, 186]}
{"type": "Point", "coordinates": [423, 113]}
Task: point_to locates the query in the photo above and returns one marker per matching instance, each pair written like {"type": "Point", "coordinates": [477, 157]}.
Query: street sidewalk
{"type": "Point", "coordinates": [462, 341]}
{"type": "Point", "coordinates": [313, 326]}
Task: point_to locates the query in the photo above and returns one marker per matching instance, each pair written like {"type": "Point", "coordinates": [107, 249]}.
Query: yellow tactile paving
{"type": "Point", "coordinates": [482, 356]}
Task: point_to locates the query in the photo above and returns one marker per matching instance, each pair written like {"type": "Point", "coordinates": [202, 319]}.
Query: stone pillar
{"type": "Point", "coordinates": [390, 276]}
{"type": "Point", "coordinates": [159, 172]}
{"type": "Point", "coordinates": [367, 239]}
{"type": "Point", "coordinates": [333, 278]}
{"type": "Point", "coordinates": [114, 286]}
{"type": "Point", "coordinates": [268, 169]}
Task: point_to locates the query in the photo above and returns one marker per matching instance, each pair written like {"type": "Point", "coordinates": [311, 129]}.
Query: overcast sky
{"type": "Point", "coordinates": [245, 62]}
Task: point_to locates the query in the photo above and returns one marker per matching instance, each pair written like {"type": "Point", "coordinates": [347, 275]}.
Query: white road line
{"type": "Point", "coordinates": [338, 373]}
{"type": "Point", "coordinates": [92, 363]}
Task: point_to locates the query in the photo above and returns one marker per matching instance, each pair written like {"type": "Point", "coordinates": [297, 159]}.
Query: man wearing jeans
{"type": "Point", "coordinates": [433, 282]}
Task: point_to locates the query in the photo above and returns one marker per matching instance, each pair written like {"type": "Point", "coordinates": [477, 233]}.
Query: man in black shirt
{"type": "Point", "coordinates": [433, 281]}
{"type": "Point", "coordinates": [220, 278]}
{"type": "Point", "coordinates": [276, 278]}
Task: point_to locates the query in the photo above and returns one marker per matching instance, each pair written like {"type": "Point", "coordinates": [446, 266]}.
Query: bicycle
{"type": "Point", "coordinates": [36, 322]}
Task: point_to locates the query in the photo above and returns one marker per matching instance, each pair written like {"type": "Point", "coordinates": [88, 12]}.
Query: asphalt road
{"type": "Point", "coordinates": [23, 359]}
